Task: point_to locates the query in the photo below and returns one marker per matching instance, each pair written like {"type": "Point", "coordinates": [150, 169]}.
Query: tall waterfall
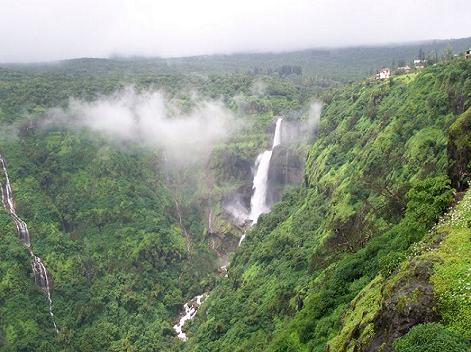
{"type": "Point", "coordinates": [258, 202]}
{"type": "Point", "coordinates": [258, 206]}
{"type": "Point", "coordinates": [41, 275]}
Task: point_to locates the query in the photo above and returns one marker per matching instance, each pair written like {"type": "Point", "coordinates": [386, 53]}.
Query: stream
{"type": "Point", "coordinates": [191, 308]}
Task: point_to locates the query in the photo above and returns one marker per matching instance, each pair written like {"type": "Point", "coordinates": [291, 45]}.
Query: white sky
{"type": "Point", "coordinates": [39, 30]}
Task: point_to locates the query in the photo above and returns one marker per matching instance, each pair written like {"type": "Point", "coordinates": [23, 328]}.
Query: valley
{"type": "Point", "coordinates": [181, 207]}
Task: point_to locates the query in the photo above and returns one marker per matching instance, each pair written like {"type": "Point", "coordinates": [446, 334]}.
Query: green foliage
{"type": "Point", "coordinates": [452, 278]}
{"type": "Point", "coordinates": [376, 183]}
{"type": "Point", "coordinates": [105, 225]}
{"type": "Point", "coordinates": [107, 219]}
{"type": "Point", "coordinates": [24, 315]}
{"type": "Point", "coordinates": [431, 337]}
{"type": "Point", "coordinates": [123, 237]}
{"type": "Point", "coordinates": [446, 249]}
{"type": "Point", "coordinates": [460, 150]}
{"type": "Point", "coordinates": [360, 314]}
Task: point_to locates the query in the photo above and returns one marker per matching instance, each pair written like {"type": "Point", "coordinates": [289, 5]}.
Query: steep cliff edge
{"type": "Point", "coordinates": [432, 285]}
{"type": "Point", "coordinates": [459, 151]}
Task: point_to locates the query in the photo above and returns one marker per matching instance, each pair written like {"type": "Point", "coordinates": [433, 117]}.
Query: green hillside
{"type": "Point", "coordinates": [106, 228]}
{"type": "Point", "coordinates": [368, 249]}
{"type": "Point", "coordinates": [375, 183]}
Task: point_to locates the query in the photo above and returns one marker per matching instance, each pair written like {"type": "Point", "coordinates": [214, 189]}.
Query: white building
{"type": "Point", "coordinates": [384, 73]}
{"type": "Point", "coordinates": [419, 63]}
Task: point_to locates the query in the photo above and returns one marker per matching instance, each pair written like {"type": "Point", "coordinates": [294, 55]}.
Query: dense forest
{"type": "Point", "coordinates": [366, 246]}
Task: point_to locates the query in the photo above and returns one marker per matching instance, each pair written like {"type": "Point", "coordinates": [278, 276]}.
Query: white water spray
{"type": "Point", "coordinates": [41, 275]}
{"type": "Point", "coordinates": [190, 311]}
{"type": "Point", "coordinates": [258, 202]}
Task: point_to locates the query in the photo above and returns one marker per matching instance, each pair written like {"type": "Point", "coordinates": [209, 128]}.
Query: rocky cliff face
{"type": "Point", "coordinates": [234, 171]}
{"type": "Point", "coordinates": [286, 168]}
{"type": "Point", "coordinates": [459, 151]}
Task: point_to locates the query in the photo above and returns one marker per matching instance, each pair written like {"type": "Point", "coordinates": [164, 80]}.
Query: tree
{"type": "Point", "coordinates": [421, 55]}
{"type": "Point", "coordinates": [448, 53]}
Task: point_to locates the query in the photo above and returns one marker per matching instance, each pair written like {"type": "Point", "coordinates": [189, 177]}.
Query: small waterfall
{"type": "Point", "coordinates": [258, 202]}
{"type": "Point", "coordinates": [191, 308]}
{"type": "Point", "coordinates": [242, 238]}
{"type": "Point", "coordinates": [41, 275]}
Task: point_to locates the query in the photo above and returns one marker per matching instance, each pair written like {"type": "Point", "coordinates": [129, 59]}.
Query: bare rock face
{"type": "Point", "coordinates": [410, 302]}
{"type": "Point", "coordinates": [459, 151]}
{"type": "Point", "coordinates": [231, 166]}
{"type": "Point", "coordinates": [223, 237]}
{"type": "Point", "coordinates": [286, 168]}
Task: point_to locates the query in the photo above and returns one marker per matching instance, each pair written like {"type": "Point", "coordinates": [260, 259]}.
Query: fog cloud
{"type": "Point", "coordinates": [58, 29]}
{"type": "Point", "coordinates": [258, 87]}
{"type": "Point", "coordinates": [153, 120]}
{"type": "Point", "coordinates": [314, 116]}
{"type": "Point", "coordinates": [302, 130]}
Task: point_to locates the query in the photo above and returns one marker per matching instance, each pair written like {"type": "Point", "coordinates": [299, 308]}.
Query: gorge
{"type": "Point", "coordinates": [352, 237]}
{"type": "Point", "coordinates": [258, 206]}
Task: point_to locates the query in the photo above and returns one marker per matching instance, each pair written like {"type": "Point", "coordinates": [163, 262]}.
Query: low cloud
{"type": "Point", "coordinates": [314, 116]}
{"type": "Point", "coordinates": [302, 130]}
{"type": "Point", "coordinates": [155, 121]}
{"type": "Point", "coordinates": [258, 87]}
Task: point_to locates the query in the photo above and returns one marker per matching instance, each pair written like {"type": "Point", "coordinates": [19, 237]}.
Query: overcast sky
{"type": "Point", "coordinates": [39, 30]}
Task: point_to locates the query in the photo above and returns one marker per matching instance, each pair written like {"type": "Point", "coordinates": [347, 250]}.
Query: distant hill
{"type": "Point", "coordinates": [341, 64]}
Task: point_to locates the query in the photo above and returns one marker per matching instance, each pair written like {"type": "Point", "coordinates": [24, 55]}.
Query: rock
{"type": "Point", "coordinates": [224, 237]}
{"type": "Point", "coordinates": [459, 151]}
{"type": "Point", "coordinates": [410, 302]}
{"type": "Point", "coordinates": [286, 168]}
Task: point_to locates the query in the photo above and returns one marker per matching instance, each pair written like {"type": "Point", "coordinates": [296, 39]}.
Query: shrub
{"type": "Point", "coordinates": [431, 337]}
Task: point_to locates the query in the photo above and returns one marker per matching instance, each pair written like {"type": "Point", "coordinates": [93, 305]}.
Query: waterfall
{"type": "Point", "coordinates": [258, 206]}
{"type": "Point", "coordinates": [191, 308]}
{"type": "Point", "coordinates": [41, 275]}
{"type": "Point", "coordinates": [258, 202]}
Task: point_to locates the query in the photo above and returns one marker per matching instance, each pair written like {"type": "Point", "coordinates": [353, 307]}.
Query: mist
{"type": "Point", "coordinates": [153, 120]}
{"type": "Point", "coordinates": [302, 130]}
{"type": "Point", "coordinates": [314, 116]}
{"type": "Point", "coordinates": [234, 205]}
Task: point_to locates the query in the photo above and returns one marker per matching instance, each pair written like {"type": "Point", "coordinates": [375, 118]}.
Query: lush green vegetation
{"type": "Point", "coordinates": [431, 337]}
{"type": "Point", "coordinates": [125, 238]}
{"type": "Point", "coordinates": [105, 225]}
{"type": "Point", "coordinates": [376, 182]}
